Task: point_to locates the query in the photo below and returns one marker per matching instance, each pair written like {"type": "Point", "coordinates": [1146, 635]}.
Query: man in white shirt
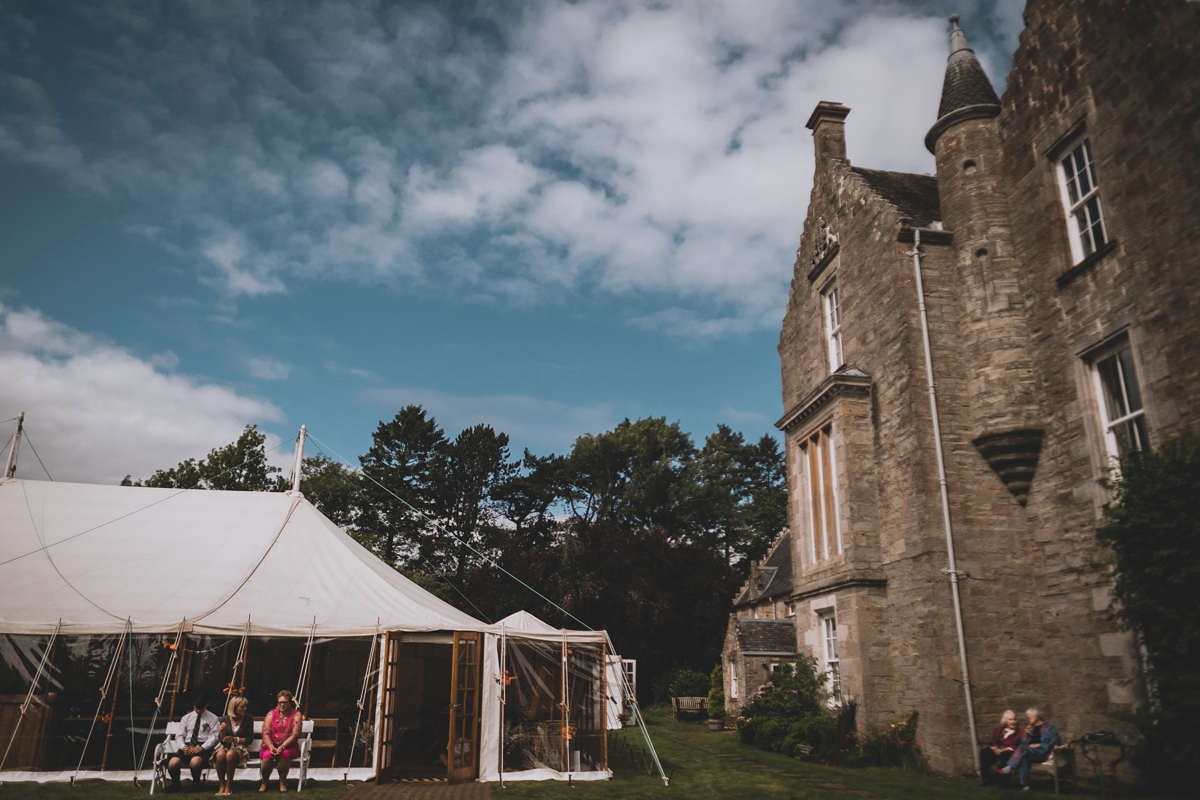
{"type": "Point", "coordinates": [194, 744]}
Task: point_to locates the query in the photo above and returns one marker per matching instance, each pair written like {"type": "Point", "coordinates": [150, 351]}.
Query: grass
{"type": "Point", "coordinates": [704, 764]}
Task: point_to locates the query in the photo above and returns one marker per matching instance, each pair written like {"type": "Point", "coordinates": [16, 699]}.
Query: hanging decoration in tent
{"type": "Point", "coordinates": [32, 690]}
{"type": "Point", "coordinates": [108, 684]}
{"type": "Point", "coordinates": [162, 693]}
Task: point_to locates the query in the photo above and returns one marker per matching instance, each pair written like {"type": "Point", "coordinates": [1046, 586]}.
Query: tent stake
{"type": "Point", "coordinates": [32, 691]}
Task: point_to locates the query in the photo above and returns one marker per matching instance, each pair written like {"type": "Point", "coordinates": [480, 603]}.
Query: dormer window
{"type": "Point", "coordinates": [833, 325]}
{"type": "Point", "coordinates": [1081, 198]}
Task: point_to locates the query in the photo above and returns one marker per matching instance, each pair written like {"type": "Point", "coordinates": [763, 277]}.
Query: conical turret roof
{"type": "Point", "coordinates": [966, 85]}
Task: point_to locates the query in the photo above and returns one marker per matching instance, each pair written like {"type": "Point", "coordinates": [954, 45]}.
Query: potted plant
{"type": "Point", "coordinates": [716, 700]}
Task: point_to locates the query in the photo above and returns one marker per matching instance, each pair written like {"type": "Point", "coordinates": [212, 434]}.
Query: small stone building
{"type": "Point", "coordinates": [963, 355]}
{"type": "Point", "coordinates": [761, 634]}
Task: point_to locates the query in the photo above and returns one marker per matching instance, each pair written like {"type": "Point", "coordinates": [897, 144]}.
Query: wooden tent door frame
{"type": "Point", "coordinates": [465, 693]}
{"type": "Point", "coordinates": [389, 679]}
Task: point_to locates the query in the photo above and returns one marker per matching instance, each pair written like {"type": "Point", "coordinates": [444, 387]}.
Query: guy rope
{"type": "Point", "coordinates": [233, 689]}
{"type": "Point", "coordinates": [32, 690]}
{"type": "Point", "coordinates": [108, 682]}
{"type": "Point", "coordinates": [362, 700]}
{"type": "Point", "coordinates": [162, 694]}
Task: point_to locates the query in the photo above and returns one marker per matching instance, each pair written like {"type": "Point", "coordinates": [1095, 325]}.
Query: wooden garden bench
{"type": "Point", "coordinates": [689, 707]}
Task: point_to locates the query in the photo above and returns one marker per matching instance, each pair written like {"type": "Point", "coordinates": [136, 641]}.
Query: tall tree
{"type": "Point", "coordinates": [402, 468]}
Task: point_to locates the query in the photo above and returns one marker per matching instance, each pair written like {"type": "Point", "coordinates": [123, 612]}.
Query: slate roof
{"type": "Point", "coordinates": [914, 196]}
{"type": "Point", "coordinates": [766, 636]}
{"type": "Point", "coordinates": [775, 572]}
{"type": "Point", "coordinates": [966, 83]}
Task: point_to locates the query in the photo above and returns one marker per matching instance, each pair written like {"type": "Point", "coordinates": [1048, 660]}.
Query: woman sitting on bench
{"type": "Point", "coordinates": [280, 737]}
{"type": "Point", "coordinates": [237, 729]}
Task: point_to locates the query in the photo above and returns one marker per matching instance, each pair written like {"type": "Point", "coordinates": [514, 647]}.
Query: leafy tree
{"type": "Point", "coordinates": [333, 489]}
{"type": "Point", "coordinates": [403, 462]}
{"type": "Point", "coordinates": [239, 466]}
{"type": "Point", "coordinates": [1153, 528]}
{"type": "Point", "coordinates": [742, 494]}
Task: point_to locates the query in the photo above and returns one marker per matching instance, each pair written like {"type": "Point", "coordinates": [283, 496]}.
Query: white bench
{"type": "Point", "coordinates": [161, 754]}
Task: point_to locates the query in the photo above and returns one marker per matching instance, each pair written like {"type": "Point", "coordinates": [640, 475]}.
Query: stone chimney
{"type": "Point", "coordinates": [828, 124]}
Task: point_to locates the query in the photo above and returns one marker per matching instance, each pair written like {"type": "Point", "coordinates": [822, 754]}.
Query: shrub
{"type": "Point", "coordinates": [716, 693]}
{"type": "Point", "coordinates": [791, 711]}
{"type": "Point", "coordinates": [896, 746]}
{"type": "Point", "coordinates": [787, 711]}
{"type": "Point", "coordinates": [1153, 528]}
{"type": "Point", "coordinates": [680, 683]}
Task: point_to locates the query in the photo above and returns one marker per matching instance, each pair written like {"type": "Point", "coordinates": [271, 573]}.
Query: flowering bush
{"type": "Point", "coordinates": [787, 711]}
{"type": "Point", "coordinates": [895, 746]}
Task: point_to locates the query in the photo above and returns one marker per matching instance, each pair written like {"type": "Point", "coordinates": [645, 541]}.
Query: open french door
{"type": "Point", "coordinates": [386, 735]}
{"type": "Point", "coordinates": [463, 763]}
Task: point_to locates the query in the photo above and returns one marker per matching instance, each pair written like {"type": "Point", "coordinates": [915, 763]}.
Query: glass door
{"type": "Point", "coordinates": [463, 763]}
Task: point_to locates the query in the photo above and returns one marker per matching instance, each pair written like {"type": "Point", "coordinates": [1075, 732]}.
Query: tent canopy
{"type": "Point", "coordinates": [96, 555]}
{"type": "Point", "coordinates": [524, 621]}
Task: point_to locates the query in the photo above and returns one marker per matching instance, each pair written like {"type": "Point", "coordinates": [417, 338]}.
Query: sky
{"type": "Point", "coordinates": [542, 216]}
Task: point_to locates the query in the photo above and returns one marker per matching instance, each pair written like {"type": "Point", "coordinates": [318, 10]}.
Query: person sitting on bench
{"type": "Point", "coordinates": [1037, 745]}
{"type": "Point", "coordinates": [194, 744]}
{"type": "Point", "coordinates": [280, 739]}
{"type": "Point", "coordinates": [1004, 743]}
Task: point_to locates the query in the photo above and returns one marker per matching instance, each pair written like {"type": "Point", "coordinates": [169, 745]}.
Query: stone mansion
{"type": "Point", "coordinates": [962, 357]}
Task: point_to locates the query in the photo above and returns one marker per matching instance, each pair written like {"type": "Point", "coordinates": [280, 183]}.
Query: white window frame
{"type": "Point", "coordinates": [833, 531]}
{"type": "Point", "coordinates": [830, 662]}
{"type": "Point", "coordinates": [734, 689]}
{"type": "Point", "coordinates": [1084, 187]}
{"type": "Point", "coordinates": [1113, 352]}
{"type": "Point", "coordinates": [832, 315]}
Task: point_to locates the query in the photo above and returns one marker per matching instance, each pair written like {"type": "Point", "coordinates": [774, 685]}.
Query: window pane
{"type": "Point", "coordinates": [1131, 382]}
{"type": "Point", "coordinates": [1110, 380]}
{"type": "Point", "coordinates": [1126, 435]}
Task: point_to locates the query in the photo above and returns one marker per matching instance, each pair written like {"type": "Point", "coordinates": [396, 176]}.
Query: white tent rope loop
{"type": "Point", "coordinates": [108, 681]}
{"type": "Point", "coordinates": [250, 573]}
{"type": "Point", "coordinates": [32, 690]}
{"type": "Point", "coordinates": [46, 550]}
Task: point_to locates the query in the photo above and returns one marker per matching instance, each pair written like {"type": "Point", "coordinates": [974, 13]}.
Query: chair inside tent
{"type": "Point", "coordinates": [119, 604]}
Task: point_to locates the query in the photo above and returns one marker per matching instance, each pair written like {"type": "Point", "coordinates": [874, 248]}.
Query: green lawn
{"type": "Point", "coordinates": [704, 764]}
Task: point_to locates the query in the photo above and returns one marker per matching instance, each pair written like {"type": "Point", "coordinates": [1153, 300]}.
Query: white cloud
{"type": "Point", "coordinates": [96, 412]}
{"type": "Point", "coordinates": [643, 148]}
{"type": "Point", "coordinates": [543, 426]}
{"type": "Point", "coordinates": [267, 369]}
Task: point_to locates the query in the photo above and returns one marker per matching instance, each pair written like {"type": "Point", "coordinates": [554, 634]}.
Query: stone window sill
{"type": "Point", "coordinates": [1087, 263]}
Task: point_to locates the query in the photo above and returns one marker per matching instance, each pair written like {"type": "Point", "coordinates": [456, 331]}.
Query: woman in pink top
{"type": "Point", "coordinates": [280, 739]}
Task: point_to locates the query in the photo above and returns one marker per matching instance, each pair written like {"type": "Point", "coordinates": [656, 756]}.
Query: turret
{"type": "Point", "coordinates": [971, 183]}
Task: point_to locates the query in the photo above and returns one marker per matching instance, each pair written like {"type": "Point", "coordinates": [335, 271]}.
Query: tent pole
{"type": "Point", "coordinates": [32, 690]}
{"type": "Point", "coordinates": [112, 711]}
{"type": "Point", "coordinates": [298, 459]}
{"type": "Point", "coordinates": [100, 707]}
{"type": "Point", "coordinates": [503, 693]}
{"type": "Point", "coordinates": [10, 468]}
{"type": "Point", "coordinates": [379, 702]}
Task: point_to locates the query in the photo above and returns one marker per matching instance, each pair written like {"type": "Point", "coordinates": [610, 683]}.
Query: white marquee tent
{"type": "Point", "coordinates": [92, 560]}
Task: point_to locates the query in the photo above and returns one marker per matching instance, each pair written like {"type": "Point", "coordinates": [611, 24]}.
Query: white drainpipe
{"type": "Point", "coordinates": [952, 570]}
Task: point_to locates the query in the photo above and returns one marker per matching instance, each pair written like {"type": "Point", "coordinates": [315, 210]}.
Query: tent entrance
{"type": "Point", "coordinates": [430, 690]}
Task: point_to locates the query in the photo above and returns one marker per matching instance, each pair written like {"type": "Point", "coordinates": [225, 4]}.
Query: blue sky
{"type": "Point", "coordinates": [543, 216]}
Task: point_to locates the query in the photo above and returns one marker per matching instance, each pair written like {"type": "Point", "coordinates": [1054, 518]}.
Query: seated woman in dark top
{"type": "Point", "coordinates": [236, 731]}
{"type": "Point", "coordinates": [1004, 742]}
